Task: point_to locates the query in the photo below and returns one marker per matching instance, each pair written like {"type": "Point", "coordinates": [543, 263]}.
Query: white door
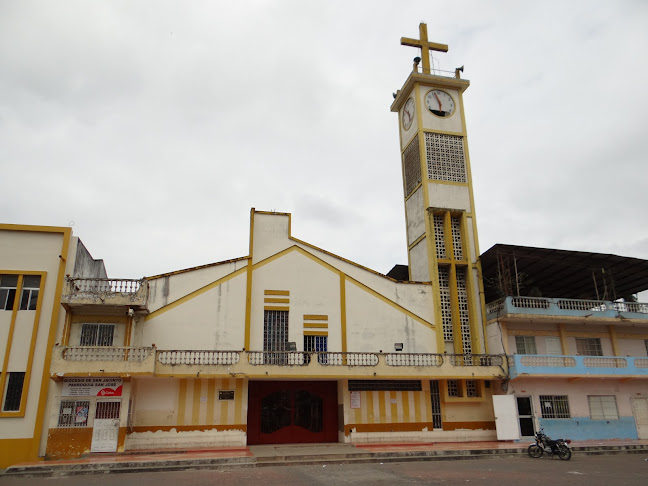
{"type": "Point", "coordinates": [105, 430]}
{"type": "Point", "coordinates": [506, 420]}
{"type": "Point", "coordinates": [640, 412]}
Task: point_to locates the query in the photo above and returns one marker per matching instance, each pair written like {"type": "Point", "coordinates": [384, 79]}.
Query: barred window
{"type": "Point", "coordinates": [554, 406]}
{"type": "Point", "coordinates": [97, 334]}
{"type": "Point", "coordinates": [603, 407]}
{"type": "Point", "coordinates": [73, 413]}
{"type": "Point", "coordinates": [454, 388]}
{"type": "Point", "coordinates": [275, 336]}
{"type": "Point", "coordinates": [435, 397]}
{"type": "Point", "coordinates": [14, 391]}
{"type": "Point", "coordinates": [472, 390]}
{"type": "Point", "coordinates": [589, 347]}
{"type": "Point", "coordinates": [316, 344]}
{"type": "Point", "coordinates": [525, 345]}
{"type": "Point", "coordinates": [385, 385]}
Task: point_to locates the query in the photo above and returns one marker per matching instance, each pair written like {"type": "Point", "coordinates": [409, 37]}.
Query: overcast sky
{"type": "Point", "coordinates": [152, 127]}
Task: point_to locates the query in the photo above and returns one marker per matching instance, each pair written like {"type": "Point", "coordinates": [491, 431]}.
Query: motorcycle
{"type": "Point", "coordinates": [544, 444]}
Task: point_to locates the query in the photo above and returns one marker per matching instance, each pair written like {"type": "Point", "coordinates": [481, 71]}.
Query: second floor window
{"type": "Point", "coordinates": [525, 345]}
{"type": "Point", "coordinates": [30, 289]}
{"type": "Point", "coordinates": [8, 284]}
{"type": "Point", "coordinates": [97, 334]}
{"type": "Point", "coordinates": [589, 347]}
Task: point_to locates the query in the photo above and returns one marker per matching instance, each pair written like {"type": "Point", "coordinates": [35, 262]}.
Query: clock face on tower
{"type": "Point", "coordinates": [440, 103]}
{"type": "Point", "coordinates": [408, 114]}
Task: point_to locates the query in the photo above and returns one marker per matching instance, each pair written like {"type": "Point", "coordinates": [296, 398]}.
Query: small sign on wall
{"type": "Point", "coordinates": [226, 394]}
{"type": "Point", "coordinates": [355, 399]}
{"type": "Point", "coordinates": [92, 387]}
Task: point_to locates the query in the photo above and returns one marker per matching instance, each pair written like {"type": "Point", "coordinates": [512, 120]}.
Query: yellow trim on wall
{"type": "Point", "coordinates": [5, 365]}
{"type": "Point", "coordinates": [271, 300]}
{"type": "Point", "coordinates": [53, 329]}
{"type": "Point", "coordinates": [195, 293]}
{"type": "Point", "coordinates": [315, 317]}
{"type": "Point", "coordinates": [248, 285]}
{"type": "Point", "coordinates": [315, 333]}
{"type": "Point", "coordinates": [315, 325]}
{"type": "Point", "coordinates": [182, 398]}
{"type": "Point", "coordinates": [343, 312]}
{"type": "Point", "coordinates": [276, 292]}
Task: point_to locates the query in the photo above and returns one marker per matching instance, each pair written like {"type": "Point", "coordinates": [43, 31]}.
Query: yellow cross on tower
{"type": "Point", "coordinates": [425, 45]}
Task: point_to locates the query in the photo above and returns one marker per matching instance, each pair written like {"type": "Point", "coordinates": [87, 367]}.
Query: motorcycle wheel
{"type": "Point", "coordinates": [535, 451]}
{"type": "Point", "coordinates": [564, 453]}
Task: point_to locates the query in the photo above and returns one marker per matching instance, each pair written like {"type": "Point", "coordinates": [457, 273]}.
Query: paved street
{"type": "Point", "coordinates": [604, 470]}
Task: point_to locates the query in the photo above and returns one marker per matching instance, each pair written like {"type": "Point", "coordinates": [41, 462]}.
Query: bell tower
{"type": "Point", "coordinates": [442, 242]}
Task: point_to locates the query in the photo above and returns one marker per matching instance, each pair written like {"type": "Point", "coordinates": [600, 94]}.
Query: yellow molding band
{"type": "Point", "coordinates": [315, 324]}
{"type": "Point", "coordinates": [315, 317]}
{"type": "Point", "coordinates": [248, 285]}
{"type": "Point", "coordinates": [524, 332]}
{"type": "Point", "coordinates": [182, 398]}
{"type": "Point", "coordinates": [271, 308]}
{"type": "Point", "coordinates": [53, 328]}
{"type": "Point", "coordinates": [621, 335]}
{"type": "Point", "coordinates": [343, 312]}
{"type": "Point", "coordinates": [80, 318]}
{"type": "Point", "coordinates": [276, 292]}
{"type": "Point", "coordinates": [195, 293]}
{"type": "Point", "coordinates": [271, 300]}
{"type": "Point", "coordinates": [613, 339]}
{"type": "Point", "coordinates": [5, 365]}
{"type": "Point", "coordinates": [195, 405]}
{"type": "Point", "coordinates": [315, 333]}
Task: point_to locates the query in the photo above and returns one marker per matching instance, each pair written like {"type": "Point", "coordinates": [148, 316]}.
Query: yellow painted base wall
{"type": "Point", "coordinates": [14, 451]}
{"type": "Point", "coordinates": [70, 443]}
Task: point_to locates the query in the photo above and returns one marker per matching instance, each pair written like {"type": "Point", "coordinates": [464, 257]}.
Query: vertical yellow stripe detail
{"type": "Point", "coordinates": [182, 397]}
{"type": "Point", "coordinates": [406, 406]}
{"type": "Point", "coordinates": [343, 322]}
{"type": "Point", "coordinates": [417, 406]}
{"type": "Point", "coordinates": [382, 398]}
{"type": "Point", "coordinates": [394, 406]}
{"type": "Point", "coordinates": [211, 394]}
{"type": "Point", "coordinates": [428, 406]}
{"type": "Point", "coordinates": [563, 339]}
{"type": "Point", "coordinates": [12, 327]}
{"type": "Point", "coordinates": [238, 401]}
{"type": "Point", "coordinates": [248, 286]}
{"type": "Point", "coordinates": [195, 409]}
{"type": "Point", "coordinates": [370, 407]}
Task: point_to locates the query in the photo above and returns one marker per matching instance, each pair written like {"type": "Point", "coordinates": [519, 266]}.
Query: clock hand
{"type": "Point", "coordinates": [439, 101]}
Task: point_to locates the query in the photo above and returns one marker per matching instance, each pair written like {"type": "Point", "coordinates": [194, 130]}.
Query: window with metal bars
{"type": "Point", "coordinates": [385, 385]}
{"type": "Point", "coordinates": [315, 344]}
{"type": "Point", "coordinates": [73, 413]}
{"type": "Point", "coordinates": [14, 391]}
{"type": "Point", "coordinates": [589, 347]}
{"type": "Point", "coordinates": [8, 285]}
{"type": "Point", "coordinates": [525, 345]}
{"type": "Point", "coordinates": [472, 390]}
{"type": "Point", "coordinates": [554, 406]}
{"type": "Point", "coordinates": [30, 289]}
{"type": "Point", "coordinates": [435, 397]}
{"type": "Point", "coordinates": [603, 407]}
{"type": "Point", "coordinates": [107, 410]}
{"type": "Point", "coordinates": [97, 334]}
{"type": "Point", "coordinates": [275, 336]}
{"type": "Point", "coordinates": [454, 388]}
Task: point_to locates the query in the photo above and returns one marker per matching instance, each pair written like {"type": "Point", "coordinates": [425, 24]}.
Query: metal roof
{"type": "Point", "coordinates": [561, 273]}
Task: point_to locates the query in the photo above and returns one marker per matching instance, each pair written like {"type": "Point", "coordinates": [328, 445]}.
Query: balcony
{"type": "Point", "coordinates": [566, 308]}
{"type": "Point", "coordinates": [104, 295]}
{"type": "Point", "coordinates": [329, 364]}
{"type": "Point", "coordinates": [102, 360]}
{"type": "Point", "coordinates": [532, 365]}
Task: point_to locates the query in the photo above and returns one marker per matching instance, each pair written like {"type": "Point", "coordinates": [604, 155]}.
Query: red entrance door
{"type": "Point", "coordinates": [288, 412]}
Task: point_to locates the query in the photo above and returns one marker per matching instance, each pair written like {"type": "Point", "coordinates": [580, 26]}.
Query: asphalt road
{"type": "Point", "coordinates": [603, 470]}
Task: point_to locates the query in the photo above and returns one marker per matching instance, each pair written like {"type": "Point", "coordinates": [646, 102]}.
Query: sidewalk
{"type": "Point", "coordinates": [286, 454]}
